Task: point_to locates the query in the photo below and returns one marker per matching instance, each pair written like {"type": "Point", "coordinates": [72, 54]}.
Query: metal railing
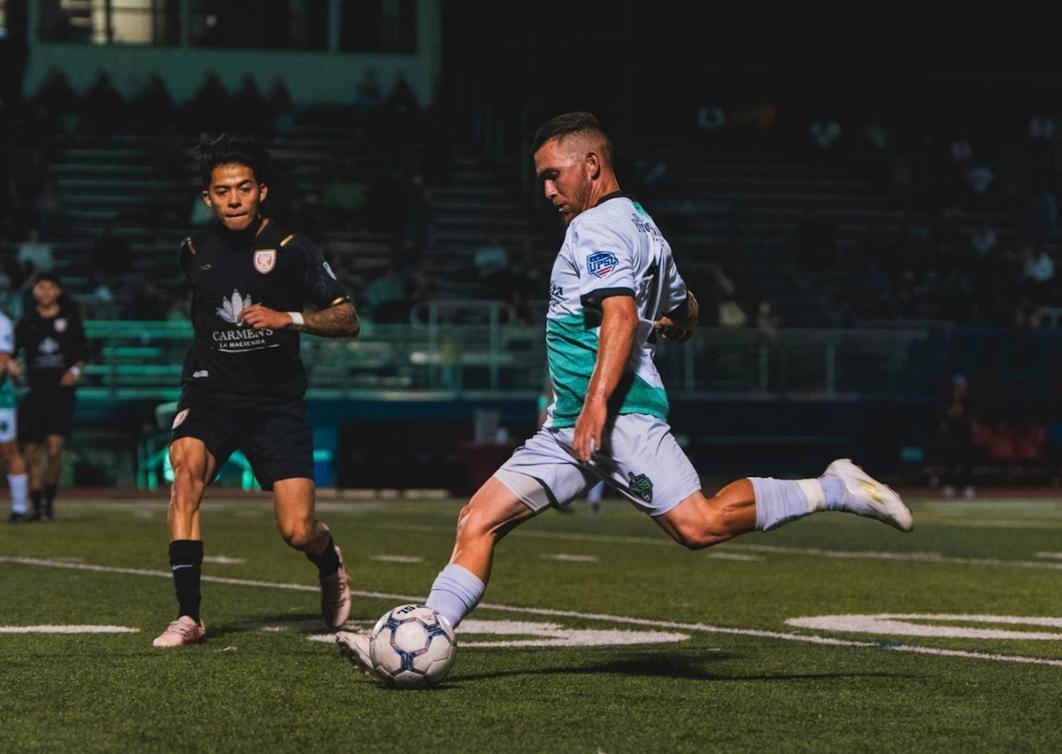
{"type": "Point", "coordinates": [489, 352]}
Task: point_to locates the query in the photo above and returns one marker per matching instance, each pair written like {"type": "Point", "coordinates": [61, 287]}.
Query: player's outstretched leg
{"type": "Point", "coordinates": [492, 513]}
{"type": "Point", "coordinates": [763, 503]}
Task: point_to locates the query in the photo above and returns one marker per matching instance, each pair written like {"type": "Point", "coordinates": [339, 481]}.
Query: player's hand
{"type": "Point", "coordinates": [671, 331]}
{"type": "Point", "coordinates": [69, 379]}
{"type": "Point", "coordinates": [588, 428]}
{"type": "Point", "coordinates": [262, 318]}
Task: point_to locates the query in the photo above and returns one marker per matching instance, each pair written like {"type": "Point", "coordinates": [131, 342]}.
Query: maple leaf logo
{"type": "Point", "coordinates": [232, 307]}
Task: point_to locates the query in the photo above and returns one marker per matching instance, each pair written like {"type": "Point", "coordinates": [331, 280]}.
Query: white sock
{"type": "Point", "coordinates": [455, 592]}
{"type": "Point", "coordinates": [779, 501]}
{"type": "Point", "coordinates": [19, 484]}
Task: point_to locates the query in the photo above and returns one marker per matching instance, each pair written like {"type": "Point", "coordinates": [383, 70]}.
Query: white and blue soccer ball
{"type": "Point", "coordinates": [412, 647]}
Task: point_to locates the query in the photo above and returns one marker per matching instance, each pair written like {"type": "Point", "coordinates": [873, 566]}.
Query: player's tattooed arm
{"type": "Point", "coordinates": [339, 321]}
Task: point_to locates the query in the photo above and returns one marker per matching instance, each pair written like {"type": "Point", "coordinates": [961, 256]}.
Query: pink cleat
{"type": "Point", "coordinates": [182, 631]}
{"type": "Point", "coordinates": [335, 596]}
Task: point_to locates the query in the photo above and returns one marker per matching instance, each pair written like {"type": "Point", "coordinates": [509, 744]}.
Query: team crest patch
{"type": "Point", "coordinates": [265, 259]}
{"type": "Point", "coordinates": [178, 420]}
{"type": "Point", "coordinates": [601, 263]}
{"type": "Point", "coordinates": [641, 485]}
{"type": "Point", "coordinates": [60, 324]}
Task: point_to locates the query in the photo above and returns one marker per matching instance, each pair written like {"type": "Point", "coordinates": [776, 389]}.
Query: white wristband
{"type": "Point", "coordinates": [76, 371]}
{"type": "Point", "coordinates": [296, 320]}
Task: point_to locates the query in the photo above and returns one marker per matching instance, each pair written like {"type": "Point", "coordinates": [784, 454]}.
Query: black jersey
{"type": "Point", "coordinates": [230, 271]}
{"type": "Point", "coordinates": [51, 345]}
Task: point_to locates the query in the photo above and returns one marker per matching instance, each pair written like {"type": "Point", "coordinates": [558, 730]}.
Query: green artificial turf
{"type": "Point", "coordinates": [737, 681]}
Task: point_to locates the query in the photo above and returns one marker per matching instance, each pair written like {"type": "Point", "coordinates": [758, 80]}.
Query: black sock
{"type": "Point", "coordinates": [327, 562]}
{"type": "Point", "coordinates": [37, 496]}
{"type": "Point", "coordinates": [49, 493]}
{"type": "Point", "coordinates": [186, 560]}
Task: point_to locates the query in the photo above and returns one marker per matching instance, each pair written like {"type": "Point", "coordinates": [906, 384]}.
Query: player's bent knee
{"type": "Point", "coordinates": [707, 529]}
{"type": "Point", "coordinates": [299, 535]}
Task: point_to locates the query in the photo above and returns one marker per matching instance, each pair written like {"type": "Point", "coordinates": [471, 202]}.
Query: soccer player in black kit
{"type": "Point", "coordinates": [243, 381]}
{"type": "Point", "coordinates": [51, 339]}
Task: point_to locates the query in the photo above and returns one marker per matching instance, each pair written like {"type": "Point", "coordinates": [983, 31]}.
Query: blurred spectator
{"type": "Point", "coordinates": [418, 210]}
{"type": "Point", "coordinates": [767, 322]}
{"type": "Point", "coordinates": [711, 120]}
{"type": "Point", "coordinates": [152, 105]}
{"type": "Point", "coordinates": [368, 97]}
{"type": "Point", "coordinates": [955, 440]}
{"type": "Point", "coordinates": [1041, 216]}
{"type": "Point", "coordinates": [281, 109]}
{"type": "Point", "coordinates": [102, 109]}
{"type": "Point", "coordinates": [252, 107]}
{"type": "Point", "coordinates": [825, 134]}
{"type": "Point", "coordinates": [35, 252]}
{"type": "Point", "coordinates": [491, 261]}
{"type": "Point", "coordinates": [209, 108]}
{"type": "Point", "coordinates": [1039, 273]}
{"type": "Point", "coordinates": [111, 256]}
{"type": "Point", "coordinates": [385, 299]}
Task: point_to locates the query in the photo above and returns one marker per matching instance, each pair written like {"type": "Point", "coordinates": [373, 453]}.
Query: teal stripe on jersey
{"type": "Point", "coordinates": [571, 348]}
{"type": "Point", "coordinates": [8, 399]}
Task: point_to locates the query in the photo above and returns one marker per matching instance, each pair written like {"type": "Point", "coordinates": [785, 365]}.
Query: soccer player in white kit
{"type": "Point", "coordinates": [614, 291]}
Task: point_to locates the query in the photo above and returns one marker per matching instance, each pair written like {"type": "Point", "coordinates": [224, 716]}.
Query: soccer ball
{"type": "Point", "coordinates": [412, 647]}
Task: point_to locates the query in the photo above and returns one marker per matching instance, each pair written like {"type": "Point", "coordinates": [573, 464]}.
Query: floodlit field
{"type": "Point", "coordinates": [597, 634]}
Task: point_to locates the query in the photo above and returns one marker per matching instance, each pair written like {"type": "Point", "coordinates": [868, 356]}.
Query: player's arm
{"type": "Point", "coordinates": [619, 322]}
{"type": "Point", "coordinates": [678, 325]}
{"type": "Point", "coordinates": [335, 316]}
{"type": "Point", "coordinates": [79, 353]}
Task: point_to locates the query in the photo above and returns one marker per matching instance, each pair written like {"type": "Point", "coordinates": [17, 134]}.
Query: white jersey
{"type": "Point", "coordinates": [611, 249]}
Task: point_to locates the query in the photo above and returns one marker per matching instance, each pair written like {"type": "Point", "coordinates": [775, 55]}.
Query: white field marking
{"type": "Point", "coordinates": [222, 560]}
{"type": "Point", "coordinates": [68, 630]}
{"type": "Point", "coordinates": [605, 617]}
{"type": "Point", "coordinates": [1056, 555]}
{"type": "Point", "coordinates": [899, 624]}
{"type": "Point", "coordinates": [568, 558]}
{"type": "Point", "coordinates": [917, 557]}
{"type": "Point", "coordinates": [549, 635]}
{"type": "Point", "coordinates": [397, 558]}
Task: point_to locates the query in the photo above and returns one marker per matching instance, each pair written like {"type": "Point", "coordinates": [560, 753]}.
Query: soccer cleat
{"type": "Point", "coordinates": [17, 518]}
{"type": "Point", "coordinates": [866, 496]}
{"type": "Point", "coordinates": [355, 647]}
{"type": "Point", "coordinates": [335, 595]}
{"type": "Point", "coordinates": [49, 512]}
{"type": "Point", "coordinates": [182, 631]}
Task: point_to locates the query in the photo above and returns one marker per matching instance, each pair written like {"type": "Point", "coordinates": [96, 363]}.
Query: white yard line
{"type": "Point", "coordinates": [726, 551]}
{"type": "Point", "coordinates": [621, 619]}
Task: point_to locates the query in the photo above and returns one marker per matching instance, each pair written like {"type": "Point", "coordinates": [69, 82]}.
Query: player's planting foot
{"type": "Point", "coordinates": [335, 596]}
{"type": "Point", "coordinates": [16, 518]}
{"type": "Point", "coordinates": [182, 631]}
{"type": "Point", "coordinates": [866, 496]}
{"type": "Point", "coordinates": [355, 647]}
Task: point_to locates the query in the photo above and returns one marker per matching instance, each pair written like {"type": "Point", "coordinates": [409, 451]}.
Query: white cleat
{"type": "Point", "coordinates": [181, 633]}
{"type": "Point", "coordinates": [355, 647]}
{"type": "Point", "coordinates": [869, 497]}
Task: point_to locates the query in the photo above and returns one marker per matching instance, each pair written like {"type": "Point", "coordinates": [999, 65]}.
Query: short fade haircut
{"type": "Point", "coordinates": [571, 123]}
{"type": "Point", "coordinates": [230, 149]}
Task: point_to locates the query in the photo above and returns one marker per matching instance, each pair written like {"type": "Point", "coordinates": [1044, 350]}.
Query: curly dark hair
{"type": "Point", "coordinates": [231, 149]}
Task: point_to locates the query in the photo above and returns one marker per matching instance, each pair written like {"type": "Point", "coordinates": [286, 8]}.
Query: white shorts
{"type": "Point", "coordinates": [8, 424]}
{"type": "Point", "coordinates": [640, 459]}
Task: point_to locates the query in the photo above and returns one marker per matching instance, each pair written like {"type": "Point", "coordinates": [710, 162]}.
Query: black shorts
{"type": "Point", "coordinates": [45, 412]}
{"type": "Point", "coordinates": [273, 433]}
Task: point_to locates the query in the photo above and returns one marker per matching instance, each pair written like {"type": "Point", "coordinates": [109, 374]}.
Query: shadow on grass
{"type": "Point", "coordinates": [667, 666]}
{"type": "Point", "coordinates": [301, 623]}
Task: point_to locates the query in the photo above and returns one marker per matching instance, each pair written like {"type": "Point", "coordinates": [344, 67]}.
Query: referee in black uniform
{"type": "Point", "coordinates": [51, 339]}
{"type": "Point", "coordinates": [243, 381]}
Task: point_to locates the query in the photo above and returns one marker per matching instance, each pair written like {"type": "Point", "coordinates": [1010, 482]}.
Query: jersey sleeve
{"type": "Point", "coordinates": [7, 336]}
{"type": "Point", "coordinates": [320, 285]}
{"type": "Point", "coordinates": [606, 263]}
{"type": "Point", "coordinates": [673, 288]}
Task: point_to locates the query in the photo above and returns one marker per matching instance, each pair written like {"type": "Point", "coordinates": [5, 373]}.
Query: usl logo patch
{"type": "Point", "coordinates": [601, 263]}
{"type": "Point", "coordinates": [641, 485]}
